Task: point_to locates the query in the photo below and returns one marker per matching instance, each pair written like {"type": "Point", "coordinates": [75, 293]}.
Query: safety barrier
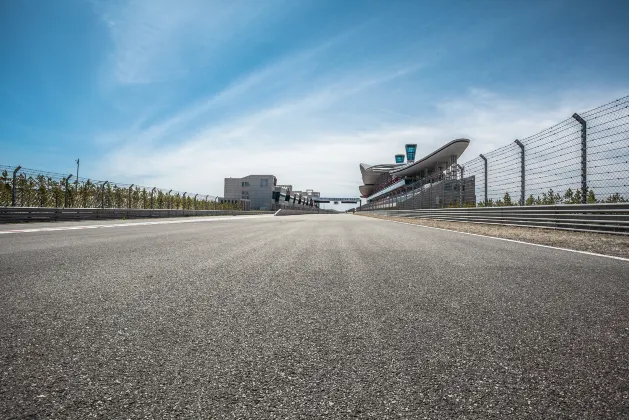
{"type": "Point", "coordinates": [45, 214]}
{"type": "Point", "coordinates": [602, 218]}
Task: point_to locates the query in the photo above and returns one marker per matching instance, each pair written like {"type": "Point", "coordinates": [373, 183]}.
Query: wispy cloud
{"type": "Point", "coordinates": [155, 40]}
{"type": "Point", "coordinates": [266, 84]}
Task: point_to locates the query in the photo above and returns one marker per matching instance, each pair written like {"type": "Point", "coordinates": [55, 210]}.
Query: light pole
{"type": "Point", "coordinates": [77, 175]}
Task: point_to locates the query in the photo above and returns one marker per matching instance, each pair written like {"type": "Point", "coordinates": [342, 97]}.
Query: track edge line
{"type": "Point", "coordinates": [510, 240]}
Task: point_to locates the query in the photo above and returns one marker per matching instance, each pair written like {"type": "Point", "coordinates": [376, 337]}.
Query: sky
{"type": "Point", "coordinates": [181, 94]}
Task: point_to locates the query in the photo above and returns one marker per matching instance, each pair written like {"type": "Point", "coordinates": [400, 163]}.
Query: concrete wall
{"type": "Point", "coordinates": [47, 214]}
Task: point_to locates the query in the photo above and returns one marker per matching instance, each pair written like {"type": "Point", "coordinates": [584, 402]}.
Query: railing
{"type": "Point", "coordinates": [601, 218]}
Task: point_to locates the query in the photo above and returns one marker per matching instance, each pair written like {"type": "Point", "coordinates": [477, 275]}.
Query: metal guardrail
{"type": "Point", "coordinates": [45, 214]}
{"type": "Point", "coordinates": [601, 218]}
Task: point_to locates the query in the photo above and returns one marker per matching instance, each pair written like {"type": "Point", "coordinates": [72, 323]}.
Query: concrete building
{"type": "Point", "coordinates": [258, 189]}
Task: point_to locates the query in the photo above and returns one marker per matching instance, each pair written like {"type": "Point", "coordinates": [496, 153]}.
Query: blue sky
{"type": "Point", "coordinates": [180, 94]}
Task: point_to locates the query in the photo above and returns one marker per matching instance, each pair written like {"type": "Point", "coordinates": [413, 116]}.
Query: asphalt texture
{"type": "Point", "coordinates": [318, 316]}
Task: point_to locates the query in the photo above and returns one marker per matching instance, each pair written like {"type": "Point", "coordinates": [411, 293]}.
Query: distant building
{"type": "Point", "coordinates": [263, 193]}
{"type": "Point", "coordinates": [258, 189]}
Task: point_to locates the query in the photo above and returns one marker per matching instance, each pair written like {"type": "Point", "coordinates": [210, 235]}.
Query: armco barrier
{"type": "Point", "coordinates": [602, 218]}
{"type": "Point", "coordinates": [43, 214]}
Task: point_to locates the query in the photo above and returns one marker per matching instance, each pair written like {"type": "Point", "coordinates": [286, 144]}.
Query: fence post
{"type": "Point", "coordinates": [102, 194]}
{"type": "Point", "coordinates": [65, 196]}
{"type": "Point", "coordinates": [522, 174]}
{"type": "Point", "coordinates": [584, 183]}
{"type": "Point", "coordinates": [420, 194]}
{"type": "Point", "coordinates": [461, 171]}
{"type": "Point", "coordinates": [443, 177]}
{"type": "Point", "coordinates": [485, 161]}
{"type": "Point", "coordinates": [14, 185]}
{"type": "Point", "coordinates": [129, 203]}
{"type": "Point", "coordinates": [443, 191]}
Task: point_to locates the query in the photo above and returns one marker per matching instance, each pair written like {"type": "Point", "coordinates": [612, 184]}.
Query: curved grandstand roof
{"type": "Point", "coordinates": [454, 148]}
{"type": "Point", "coordinates": [366, 190]}
{"type": "Point", "coordinates": [371, 173]}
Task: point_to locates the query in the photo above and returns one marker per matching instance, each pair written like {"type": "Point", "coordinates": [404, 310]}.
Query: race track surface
{"type": "Point", "coordinates": [318, 316]}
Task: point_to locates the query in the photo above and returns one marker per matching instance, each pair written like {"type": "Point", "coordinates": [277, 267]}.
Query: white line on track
{"type": "Point", "coordinates": [160, 222]}
{"type": "Point", "coordinates": [511, 240]}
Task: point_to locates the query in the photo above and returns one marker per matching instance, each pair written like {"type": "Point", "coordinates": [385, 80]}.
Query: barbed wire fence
{"type": "Point", "coordinates": [583, 159]}
{"type": "Point", "coordinates": [23, 187]}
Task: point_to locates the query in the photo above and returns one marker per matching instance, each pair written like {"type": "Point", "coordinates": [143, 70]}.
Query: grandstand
{"type": "Point", "coordinates": [431, 182]}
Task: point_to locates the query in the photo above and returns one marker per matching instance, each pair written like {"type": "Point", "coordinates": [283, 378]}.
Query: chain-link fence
{"type": "Point", "coordinates": [583, 159]}
{"type": "Point", "coordinates": [21, 187]}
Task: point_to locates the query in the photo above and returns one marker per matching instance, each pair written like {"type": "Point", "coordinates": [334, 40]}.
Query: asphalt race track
{"type": "Point", "coordinates": [319, 316]}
